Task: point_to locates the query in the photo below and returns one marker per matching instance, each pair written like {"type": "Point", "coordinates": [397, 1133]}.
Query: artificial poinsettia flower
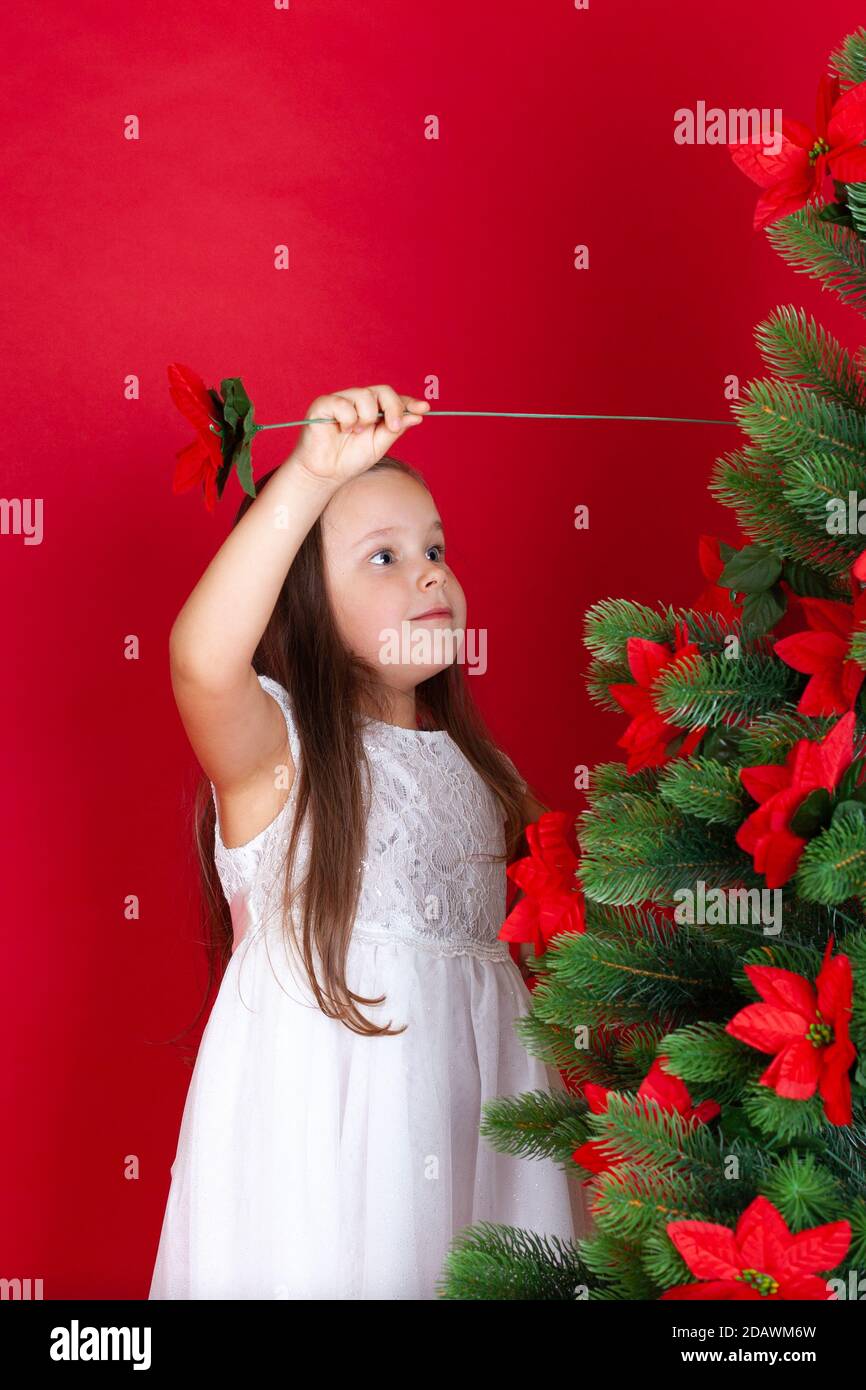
{"type": "Point", "coordinates": [760, 1259]}
{"type": "Point", "coordinates": [780, 788]}
{"type": "Point", "coordinates": [822, 653]}
{"type": "Point", "coordinates": [715, 598]}
{"type": "Point", "coordinates": [649, 732]}
{"type": "Point", "coordinates": [201, 460]}
{"type": "Point", "coordinates": [795, 175]}
{"type": "Point", "coordinates": [806, 1026]}
{"type": "Point", "coordinates": [670, 1093]}
{"type": "Point", "coordinates": [553, 901]}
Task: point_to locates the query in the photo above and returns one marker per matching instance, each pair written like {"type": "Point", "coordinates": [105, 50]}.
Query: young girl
{"type": "Point", "coordinates": [361, 818]}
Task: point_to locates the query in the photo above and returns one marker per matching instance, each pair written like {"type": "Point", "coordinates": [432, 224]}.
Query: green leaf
{"type": "Point", "coordinates": [243, 467]}
{"type": "Point", "coordinates": [847, 789]}
{"type": "Point", "coordinates": [848, 781]}
{"type": "Point", "coordinates": [761, 611]}
{"type": "Point", "coordinates": [752, 570]}
{"type": "Point", "coordinates": [237, 402]}
{"type": "Point", "coordinates": [835, 212]}
{"type": "Point", "coordinates": [812, 814]}
{"type": "Point", "coordinates": [807, 581]}
{"type": "Point", "coordinates": [239, 429]}
{"type": "Point", "coordinates": [676, 743]}
{"type": "Point", "coordinates": [722, 744]}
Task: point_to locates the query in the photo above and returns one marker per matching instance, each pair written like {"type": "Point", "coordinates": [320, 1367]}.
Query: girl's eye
{"type": "Point", "coordinates": [439, 548]}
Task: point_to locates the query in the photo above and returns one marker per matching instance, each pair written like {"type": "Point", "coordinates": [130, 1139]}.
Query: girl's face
{"type": "Point", "coordinates": [379, 582]}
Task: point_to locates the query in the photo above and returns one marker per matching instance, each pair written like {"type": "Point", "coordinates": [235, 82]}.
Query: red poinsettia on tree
{"type": "Point", "coordinates": [822, 653]}
{"type": "Point", "coordinates": [553, 900]}
{"type": "Point", "coordinates": [797, 172]}
{"type": "Point", "coordinates": [806, 1026]}
{"type": "Point", "coordinates": [669, 1092]}
{"type": "Point", "coordinates": [760, 1259]}
{"type": "Point", "coordinates": [770, 833]}
{"type": "Point", "coordinates": [649, 734]}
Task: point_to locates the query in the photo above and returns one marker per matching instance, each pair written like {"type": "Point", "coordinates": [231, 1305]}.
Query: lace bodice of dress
{"type": "Point", "coordinates": [424, 878]}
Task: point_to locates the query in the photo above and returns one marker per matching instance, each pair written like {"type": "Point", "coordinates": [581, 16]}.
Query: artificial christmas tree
{"type": "Point", "coordinates": [707, 1003]}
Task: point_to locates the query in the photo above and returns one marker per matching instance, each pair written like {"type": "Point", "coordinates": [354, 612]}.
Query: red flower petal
{"type": "Point", "coordinates": [815, 1250]}
{"type": "Point", "coordinates": [785, 989]}
{"type": "Point", "coordinates": [721, 1289]}
{"type": "Point", "coordinates": [762, 1236]}
{"type": "Point", "coordinates": [766, 1027]}
{"type": "Point", "coordinates": [812, 651]}
{"type": "Point", "coordinates": [708, 1249]}
{"type": "Point", "coordinates": [847, 122]}
{"type": "Point", "coordinates": [794, 1071]}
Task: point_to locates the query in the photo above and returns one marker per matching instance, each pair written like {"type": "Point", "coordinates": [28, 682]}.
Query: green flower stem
{"type": "Point", "coordinates": [518, 415]}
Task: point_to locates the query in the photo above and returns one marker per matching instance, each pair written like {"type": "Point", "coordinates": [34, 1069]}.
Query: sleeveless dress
{"type": "Point", "coordinates": [312, 1162]}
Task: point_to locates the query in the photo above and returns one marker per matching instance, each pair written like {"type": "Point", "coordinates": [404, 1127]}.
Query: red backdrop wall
{"type": "Point", "coordinates": [409, 258]}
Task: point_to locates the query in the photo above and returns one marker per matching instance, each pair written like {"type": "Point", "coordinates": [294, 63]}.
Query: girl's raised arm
{"type": "Point", "coordinates": [236, 730]}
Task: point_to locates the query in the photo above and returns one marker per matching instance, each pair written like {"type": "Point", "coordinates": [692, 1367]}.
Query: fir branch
{"type": "Point", "coordinates": [777, 1116]}
{"type": "Point", "coordinates": [489, 1261]}
{"type": "Point", "coordinates": [719, 690]}
{"type": "Point", "coordinates": [770, 737]}
{"type": "Point", "coordinates": [825, 251]}
{"type": "Point", "coordinates": [798, 348]}
{"type": "Point", "coordinates": [663, 1262]}
{"type": "Point", "coordinates": [855, 194]}
{"type": "Point", "coordinates": [609, 623]}
{"type": "Point", "coordinates": [788, 422]}
{"type": "Point", "coordinates": [705, 788]}
{"type": "Point", "coordinates": [804, 1190]}
{"type": "Point", "coordinates": [599, 676]}
{"type": "Point", "coordinates": [849, 59]}
{"type": "Point", "coordinates": [748, 480]}
{"type": "Point", "coordinates": [536, 1124]}
{"type": "Point", "coordinates": [589, 980]}
{"type": "Point", "coordinates": [816, 487]}
{"type": "Point", "coordinates": [608, 778]}
{"type": "Point", "coordinates": [629, 868]}
{"type": "Point", "coordinates": [631, 1202]}
{"type": "Point", "coordinates": [616, 1269]}
{"type": "Point", "coordinates": [832, 867]}
{"type": "Point", "coordinates": [714, 1065]}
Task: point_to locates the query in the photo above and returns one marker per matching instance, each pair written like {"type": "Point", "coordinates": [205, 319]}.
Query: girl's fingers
{"type": "Point", "coordinates": [357, 407]}
{"type": "Point", "coordinates": [343, 410]}
{"type": "Point", "coordinates": [416, 409]}
{"type": "Point", "coordinates": [391, 406]}
{"type": "Point", "coordinates": [363, 403]}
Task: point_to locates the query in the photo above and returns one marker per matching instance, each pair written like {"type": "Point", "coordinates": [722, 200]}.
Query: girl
{"type": "Point", "coordinates": [361, 820]}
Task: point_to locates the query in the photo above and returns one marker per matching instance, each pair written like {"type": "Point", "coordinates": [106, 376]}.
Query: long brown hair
{"type": "Point", "coordinates": [301, 648]}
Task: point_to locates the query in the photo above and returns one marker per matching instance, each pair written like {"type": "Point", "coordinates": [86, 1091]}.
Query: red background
{"type": "Point", "coordinates": [408, 257]}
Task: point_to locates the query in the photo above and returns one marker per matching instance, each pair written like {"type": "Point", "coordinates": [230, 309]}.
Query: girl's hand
{"type": "Point", "coordinates": [357, 439]}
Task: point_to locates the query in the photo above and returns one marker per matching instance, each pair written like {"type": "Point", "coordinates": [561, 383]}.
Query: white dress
{"type": "Point", "coordinates": [312, 1162]}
